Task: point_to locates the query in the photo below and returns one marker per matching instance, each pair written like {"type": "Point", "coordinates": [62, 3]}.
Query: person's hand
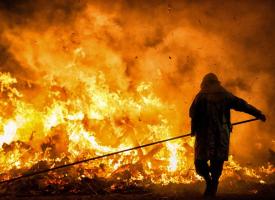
{"type": "Point", "coordinates": [262, 117]}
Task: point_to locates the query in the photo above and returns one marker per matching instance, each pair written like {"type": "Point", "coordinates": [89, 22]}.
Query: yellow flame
{"type": "Point", "coordinates": [9, 134]}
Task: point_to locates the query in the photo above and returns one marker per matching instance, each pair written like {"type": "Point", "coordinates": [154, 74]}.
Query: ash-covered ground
{"type": "Point", "coordinates": [227, 190]}
{"type": "Point", "coordinates": [97, 189]}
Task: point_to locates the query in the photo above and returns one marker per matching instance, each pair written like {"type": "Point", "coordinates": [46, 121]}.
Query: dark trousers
{"type": "Point", "coordinates": [209, 172]}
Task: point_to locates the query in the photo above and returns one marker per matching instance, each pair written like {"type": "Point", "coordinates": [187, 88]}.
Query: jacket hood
{"type": "Point", "coordinates": [211, 84]}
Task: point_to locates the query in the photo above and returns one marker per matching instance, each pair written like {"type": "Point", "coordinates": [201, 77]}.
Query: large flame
{"type": "Point", "coordinates": [91, 120]}
{"type": "Point", "coordinates": [88, 121]}
{"type": "Point", "coordinates": [77, 101]}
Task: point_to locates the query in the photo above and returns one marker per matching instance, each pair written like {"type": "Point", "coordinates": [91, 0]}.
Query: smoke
{"type": "Point", "coordinates": [169, 43]}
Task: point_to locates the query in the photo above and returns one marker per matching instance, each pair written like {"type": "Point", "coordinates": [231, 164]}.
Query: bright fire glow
{"type": "Point", "coordinates": [80, 103]}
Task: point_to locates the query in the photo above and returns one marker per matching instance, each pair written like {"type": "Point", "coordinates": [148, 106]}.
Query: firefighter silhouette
{"type": "Point", "coordinates": [211, 126]}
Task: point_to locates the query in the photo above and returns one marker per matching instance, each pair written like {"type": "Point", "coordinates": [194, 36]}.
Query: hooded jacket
{"type": "Point", "coordinates": [210, 118]}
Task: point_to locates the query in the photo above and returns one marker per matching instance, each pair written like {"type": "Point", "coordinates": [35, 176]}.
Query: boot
{"type": "Point", "coordinates": [214, 188]}
{"type": "Point", "coordinates": [208, 187]}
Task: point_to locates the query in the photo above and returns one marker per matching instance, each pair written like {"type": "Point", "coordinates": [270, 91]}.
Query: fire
{"type": "Point", "coordinates": [9, 132]}
{"type": "Point", "coordinates": [173, 160]}
{"type": "Point", "coordinates": [80, 103]}
{"type": "Point", "coordinates": [101, 121]}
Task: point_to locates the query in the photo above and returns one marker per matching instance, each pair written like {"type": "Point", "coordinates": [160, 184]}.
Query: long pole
{"type": "Point", "coordinates": [109, 154]}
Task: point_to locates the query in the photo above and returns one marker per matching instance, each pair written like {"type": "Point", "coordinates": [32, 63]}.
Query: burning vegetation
{"type": "Point", "coordinates": [81, 79]}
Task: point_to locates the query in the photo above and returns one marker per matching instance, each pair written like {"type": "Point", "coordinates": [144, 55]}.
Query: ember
{"type": "Point", "coordinates": [80, 79]}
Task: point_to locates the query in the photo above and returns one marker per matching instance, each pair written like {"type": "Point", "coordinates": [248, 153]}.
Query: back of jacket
{"type": "Point", "coordinates": [210, 114]}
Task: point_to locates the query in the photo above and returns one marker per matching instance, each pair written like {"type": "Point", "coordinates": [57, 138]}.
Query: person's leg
{"type": "Point", "coordinates": [216, 167]}
{"type": "Point", "coordinates": [203, 170]}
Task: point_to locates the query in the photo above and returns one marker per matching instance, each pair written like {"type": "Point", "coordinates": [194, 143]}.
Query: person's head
{"type": "Point", "coordinates": [209, 80]}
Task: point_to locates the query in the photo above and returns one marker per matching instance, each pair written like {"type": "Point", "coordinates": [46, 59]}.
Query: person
{"type": "Point", "coordinates": [210, 124]}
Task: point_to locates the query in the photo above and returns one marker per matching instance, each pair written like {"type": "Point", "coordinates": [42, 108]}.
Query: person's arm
{"type": "Point", "coordinates": [239, 104]}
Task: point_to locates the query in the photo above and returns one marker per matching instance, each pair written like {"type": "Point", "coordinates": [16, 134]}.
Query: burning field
{"type": "Point", "coordinates": [80, 79]}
